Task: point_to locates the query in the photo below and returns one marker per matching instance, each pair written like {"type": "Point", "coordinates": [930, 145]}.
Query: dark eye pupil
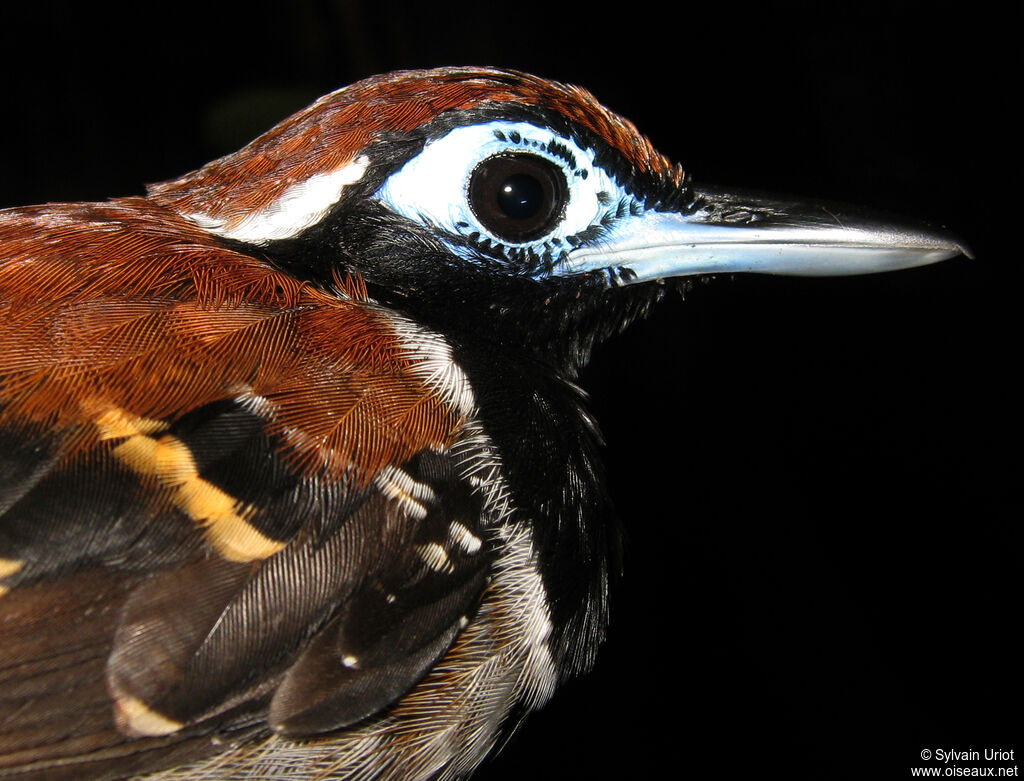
{"type": "Point", "coordinates": [521, 196]}
{"type": "Point", "coordinates": [518, 197]}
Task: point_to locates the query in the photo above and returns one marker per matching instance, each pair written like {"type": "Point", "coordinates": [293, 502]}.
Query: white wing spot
{"type": "Point", "coordinates": [399, 485]}
{"type": "Point", "coordinates": [463, 537]}
{"type": "Point", "coordinates": [435, 557]}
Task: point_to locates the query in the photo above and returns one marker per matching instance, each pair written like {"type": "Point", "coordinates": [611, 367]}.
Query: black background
{"type": "Point", "coordinates": [818, 478]}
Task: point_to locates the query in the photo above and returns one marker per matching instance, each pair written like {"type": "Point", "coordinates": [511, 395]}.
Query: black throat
{"type": "Point", "coordinates": [521, 342]}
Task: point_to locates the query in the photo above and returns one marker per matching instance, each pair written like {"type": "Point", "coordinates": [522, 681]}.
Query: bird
{"type": "Point", "coordinates": [297, 479]}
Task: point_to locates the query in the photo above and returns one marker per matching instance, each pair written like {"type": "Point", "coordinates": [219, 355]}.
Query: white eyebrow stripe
{"type": "Point", "coordinates": [301, 206]}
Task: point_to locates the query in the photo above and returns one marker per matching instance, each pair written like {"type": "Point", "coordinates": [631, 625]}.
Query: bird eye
{"type": "Point", "coordinates": [518, 197]}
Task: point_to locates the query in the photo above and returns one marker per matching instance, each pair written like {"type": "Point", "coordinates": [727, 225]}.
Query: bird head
{"type": "Point", "coordinates": [512, 207]}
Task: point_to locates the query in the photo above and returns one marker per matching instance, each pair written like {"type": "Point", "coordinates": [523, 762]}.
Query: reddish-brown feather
{"type": "Point", "coordinates": [333, 130]}
{"type": "Point", "coordinates": [126, 305]}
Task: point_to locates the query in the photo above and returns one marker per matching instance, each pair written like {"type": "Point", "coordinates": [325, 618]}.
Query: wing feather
{"type": "Point", "coordinates": [209, 472]}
